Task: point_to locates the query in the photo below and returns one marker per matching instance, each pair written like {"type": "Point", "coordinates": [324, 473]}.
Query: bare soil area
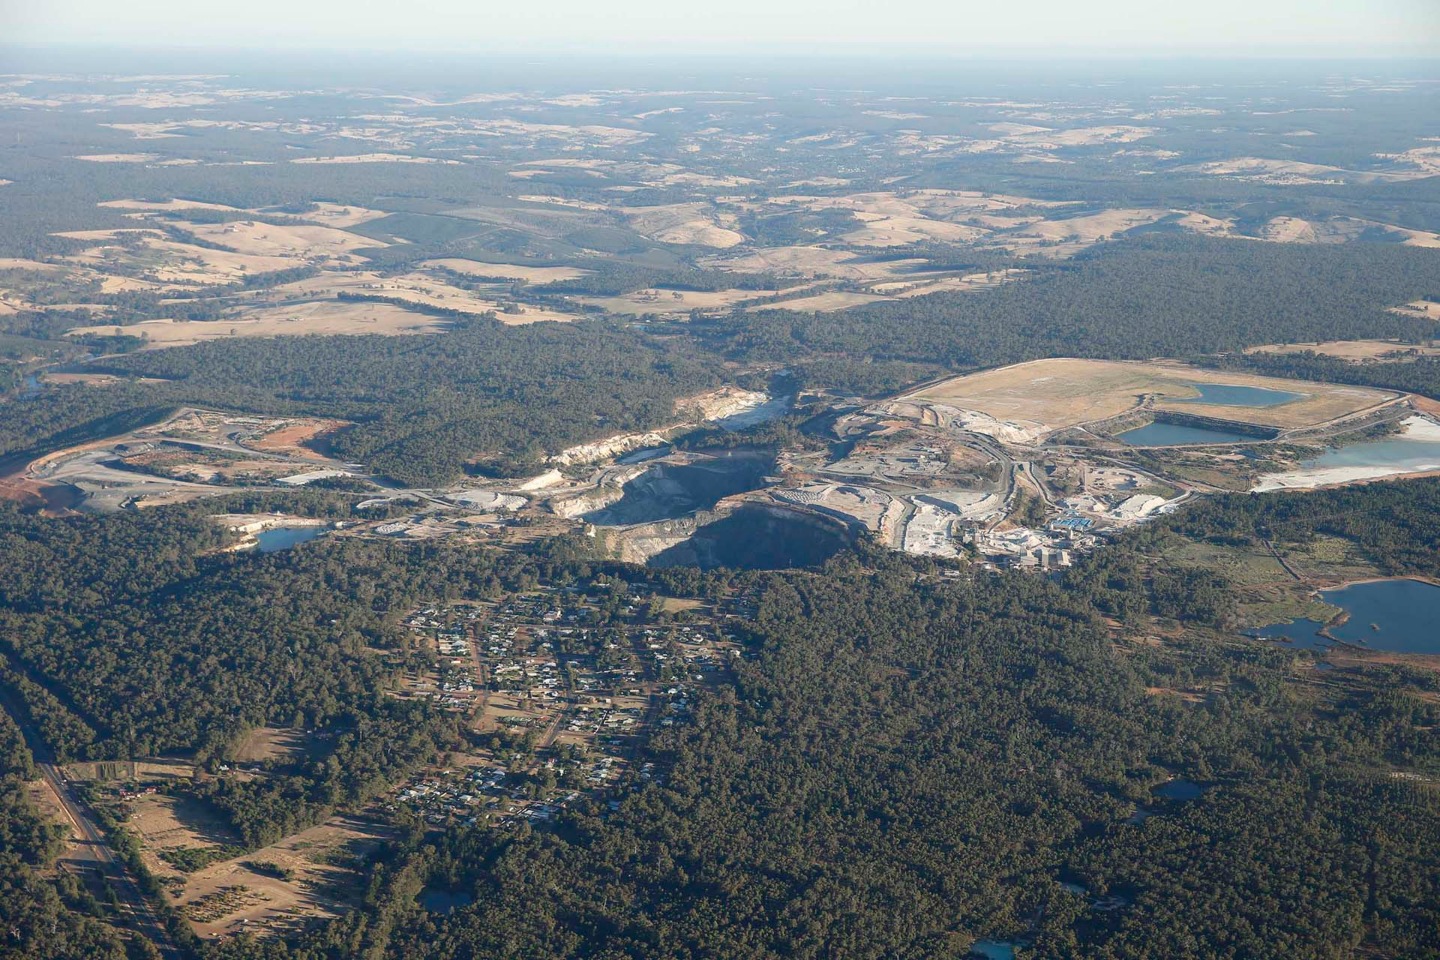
{"type": "Point", "coordinates": [291, 439]}
{"type": "Point", "coordinates": [283, 887]}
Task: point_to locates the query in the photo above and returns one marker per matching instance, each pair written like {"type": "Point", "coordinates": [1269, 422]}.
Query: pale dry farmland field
{"type": "Point", "coordinates": [511, 271]}
{"type": "Point", "coordinates": [663, 300]}
{"type": "Point", "coordinates": [331, 318]}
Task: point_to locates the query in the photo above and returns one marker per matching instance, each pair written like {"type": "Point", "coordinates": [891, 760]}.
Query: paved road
{"type": "Point", "coordinates": [136, 911]}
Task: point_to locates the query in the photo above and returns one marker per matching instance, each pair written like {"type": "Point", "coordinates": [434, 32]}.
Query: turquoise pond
{"type": "Point", "coordinates": [993, 949]}
{"type": "Point", "coordinates": [283, 538]}
{"type": "Point", "coordinates": [1174, 434]}
{"type": "Point", "coordinates": [1405, 453]}
{"type": "Point", "coordinates": [1396, 616]}
{"type": "Point", "coordinates": [1229, 395]}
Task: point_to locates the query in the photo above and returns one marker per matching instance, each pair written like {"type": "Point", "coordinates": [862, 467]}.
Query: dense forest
{"type": "Point", "coordinates": [911, 763]}
{"type": "Point", "coordinates": [1393, 525]}
{"type": "Point", "coordinates": [98, 618]}
{"type": "Point", "coordinates": [1154, 296]}
{"type": "Point", "coordinates": [481, 397]}
{"type": "Point", "coordinates": [1396, 524]}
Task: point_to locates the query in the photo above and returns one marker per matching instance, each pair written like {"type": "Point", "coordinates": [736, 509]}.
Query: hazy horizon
{"type": "Point", "coordinates": [1223, 29]}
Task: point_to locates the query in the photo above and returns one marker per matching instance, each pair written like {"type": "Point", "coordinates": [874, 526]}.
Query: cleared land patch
{"type": "Point", "coordinates": [273, 743]}
{"type": "Point", "coordinates": [1355, 350]}
{"type": "Point", "coordinates": [167, 206]}
{"type": "Point", "coordinates": [920, 285]}
{"type": "Point", "coordinates": [1420, 308]}
{"type": "Point", "coordinates": [145, 256]}
{"type": "Point", "coordinates": [327, 318]}
{"type": "Point", "coordinates": [510, 271]}
{"type": "Point", "coordinates": [324, 213]}
{"type": "Point", "coordinates": [818, 262]}
{"type": "Point", "coordinates": [1064, 238]}
{"type": "Point", "coordinates": [684, 223]}
{"type": "Point", "coordinates": [418, 288]}
{"type": "Point", "coordinates": [663, 300]}
{"type": "Point", "coordinates": [824, 302]}
{"type": "Point", "coordinates": [290, 438]}
{"type": "Point", "coordinates": [119, 157]}
{"type": "Point", "coordinates": [166, 824]}
{"type": "Point", "coordinates": [280, 888]}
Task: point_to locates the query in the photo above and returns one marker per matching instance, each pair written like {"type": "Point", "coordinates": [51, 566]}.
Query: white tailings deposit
{"type": "Point", "coordinates": [1138, 507]}
{"type": "Point", "coordinates": [1006, 431]}
{"type": "Point", "coordinates": [256, 522]}
{"type": "Point", "coordinates": [609, 447]}
{"type": "Point", "coordinates": [1415, 450]}
{"type": "Point", "coordinates": [547, 479]}
{"type": "Point", "coordinates": [970, 421]}
{"type": "Point", "coordinates": [302, 479]}
{"type": "Point", "coordinates": [487, 499]}
{"type": "Point", "coordinates": [722, 403]}
{"type": "Point", "coordinates": [929, 532]}
{"type": "Point", "coordinates": [970, 504]}
{"type": "Point", "coordinates": [728, 408]}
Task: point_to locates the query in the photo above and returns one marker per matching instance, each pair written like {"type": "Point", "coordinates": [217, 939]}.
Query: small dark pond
{"type": "Point", "coordinates": [1179, 790]}
{"type": "Point", "coordinates": [443, 901]}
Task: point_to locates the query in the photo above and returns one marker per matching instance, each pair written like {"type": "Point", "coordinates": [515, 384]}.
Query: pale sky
{"type": "Point", "coordinates": [1083, 27]}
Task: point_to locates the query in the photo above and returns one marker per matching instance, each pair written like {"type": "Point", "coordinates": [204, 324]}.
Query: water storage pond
{"type": "Point", "coordinates": [1395, 616]}
{"type": "Point", "coordinates": [1416, 449]}
{"type": "Point", "coordinates": [283, 538]}
{"type": "Point", "coordinates": [1230, 395]}
{"type": "Point", "coordinates": [1160, 434]}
